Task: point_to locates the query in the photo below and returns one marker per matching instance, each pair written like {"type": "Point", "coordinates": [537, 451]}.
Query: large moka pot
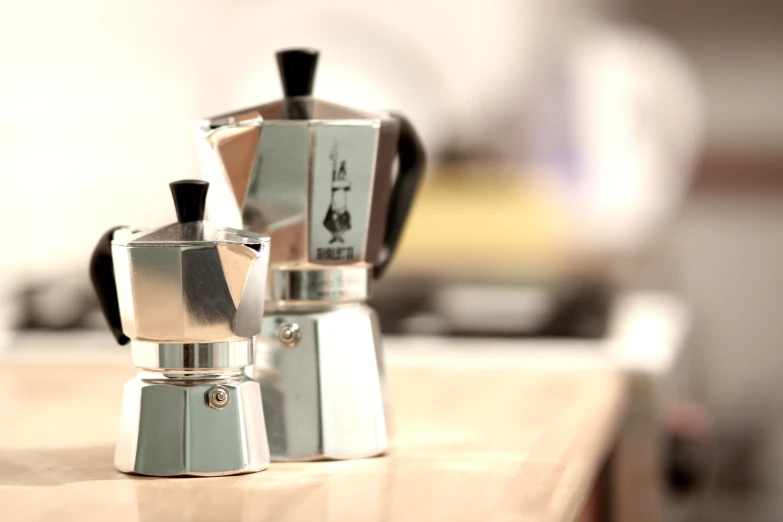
{"type": "Point", "coordinates": [332, 186]}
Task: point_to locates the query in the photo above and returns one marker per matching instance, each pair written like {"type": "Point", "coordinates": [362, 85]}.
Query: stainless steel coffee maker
{"type": "Point", "coordinates": [332, 186]}
{"type": "Point", "coordinates": [189, 297]}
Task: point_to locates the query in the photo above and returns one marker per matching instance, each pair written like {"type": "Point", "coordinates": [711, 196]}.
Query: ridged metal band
{"type": "Point", "coordinates": [319, 286]}
{"type": "Point", "coordinates": [193, 356]}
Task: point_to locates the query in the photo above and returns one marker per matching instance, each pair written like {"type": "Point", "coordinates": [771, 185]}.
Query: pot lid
{"type": "Point", "coordinates": [190, 228]}
{"type": "Point", "coordinates": [297, 69]}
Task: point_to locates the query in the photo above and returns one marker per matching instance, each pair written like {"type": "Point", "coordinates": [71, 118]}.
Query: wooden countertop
{"type": "Point", "coordinates": [471, 441]}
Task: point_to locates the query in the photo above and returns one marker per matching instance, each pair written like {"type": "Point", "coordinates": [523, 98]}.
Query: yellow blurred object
{"type": "Point", "coordinates": [485, 220]}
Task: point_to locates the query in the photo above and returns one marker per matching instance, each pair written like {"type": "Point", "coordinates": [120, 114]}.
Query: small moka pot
{"type": "Point", "coordinates": [332, 186]}
{"type": "Point", "coordinates": [189, 297]}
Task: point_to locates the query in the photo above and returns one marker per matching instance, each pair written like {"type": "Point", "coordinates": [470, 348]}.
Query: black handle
{"type": "Point", "coordinates": [102, 276]}
{"type": "Point", "coordinates": [297, 71]}
{"type": "Point", "coordinates": [190, 199]}
{"type": "Point", "coordinates": [411, 160]}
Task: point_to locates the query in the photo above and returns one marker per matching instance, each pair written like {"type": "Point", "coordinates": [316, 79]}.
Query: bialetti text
{"type": "Point", "coordinates": [335, 254]}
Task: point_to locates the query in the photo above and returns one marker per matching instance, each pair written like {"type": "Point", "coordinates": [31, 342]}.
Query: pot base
{"type": "Point", "coordinates": [174, 426]}
{"type": "Point", "coordinates": [321, 377]}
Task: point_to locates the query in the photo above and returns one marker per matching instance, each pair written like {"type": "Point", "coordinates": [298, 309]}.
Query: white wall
{"type": "Point", "coordinates": [98, 98]}
{"type": "Point", "coordinates": [736, 49]}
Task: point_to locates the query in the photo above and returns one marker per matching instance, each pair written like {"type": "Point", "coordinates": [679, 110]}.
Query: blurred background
{"type": "Point", "coordinates": [578, 151]}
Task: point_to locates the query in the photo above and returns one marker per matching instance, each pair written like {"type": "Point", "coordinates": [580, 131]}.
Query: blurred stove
{"type": "Point", "coordinates": [406, 306]}
{"type": "Point", "coordinates": [426, 306]}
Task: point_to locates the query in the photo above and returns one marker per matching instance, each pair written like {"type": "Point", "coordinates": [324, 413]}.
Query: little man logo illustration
{"type": "Point", "coordinates": [338, 219]}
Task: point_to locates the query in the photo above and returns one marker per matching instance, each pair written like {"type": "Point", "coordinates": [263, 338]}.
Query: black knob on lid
{"type": "Point", "coordinates": [190, 199]}
{"type": "Point", "coordinates": [297, 71]}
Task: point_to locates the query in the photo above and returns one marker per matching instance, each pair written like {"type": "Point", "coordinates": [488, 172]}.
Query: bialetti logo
{"type": "Point", "coordinates": [338, 219]}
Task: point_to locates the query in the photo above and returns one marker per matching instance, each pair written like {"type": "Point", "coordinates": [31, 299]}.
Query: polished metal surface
{"type": "Point", "coordinates": [320, 187]}
{"type": "Point", "coordinates": [189, 357]}
{"type": "Point", "coordinates": [322, 287]}
{"type": "Point", "coordinates": [190, 297]}
{"type": "Point", "coordinates": [172, 427]}
{"type": "Point", "coordinates": [171, 291]}
{"type": "Point", "coordinates": [319, 179]}
{"type": "Point", "coordinates": [323, 397]}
